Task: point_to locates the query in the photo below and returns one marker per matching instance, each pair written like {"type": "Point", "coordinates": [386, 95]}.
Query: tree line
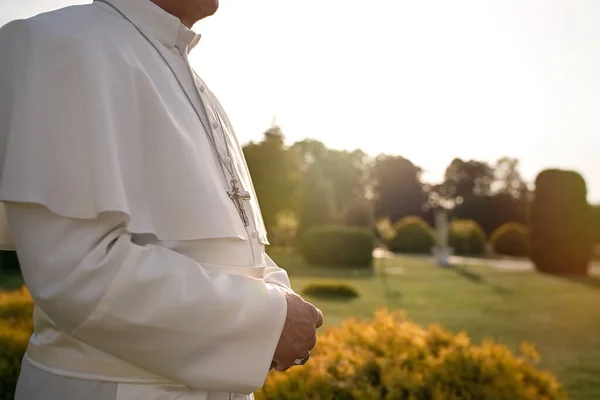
{"type": "Point", "coordinates": [307, 184]}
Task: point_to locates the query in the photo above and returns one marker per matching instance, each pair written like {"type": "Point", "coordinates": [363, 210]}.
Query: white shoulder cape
{"type": "Point", "coordinates": [88, 127]}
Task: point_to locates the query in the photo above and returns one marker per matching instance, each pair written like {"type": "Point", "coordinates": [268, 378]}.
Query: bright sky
{"type": "Point", "coordinates": [428, 80]}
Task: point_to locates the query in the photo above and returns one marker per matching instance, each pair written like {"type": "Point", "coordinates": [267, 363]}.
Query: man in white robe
{"type": "Point", "coordinates": [133, 214]}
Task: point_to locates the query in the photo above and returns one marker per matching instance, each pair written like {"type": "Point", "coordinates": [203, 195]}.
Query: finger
{"type": "Point", "coordinates": [312, 343]}
{"type": "Point", "coordinates": [282, 367]}
{"type": "Point", "coordinates": [319, 318]}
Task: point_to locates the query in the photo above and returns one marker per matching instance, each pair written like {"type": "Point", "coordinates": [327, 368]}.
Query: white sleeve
{"type": "Point", "coordinates": [149, 306]}
{"type": "Point", "coordinates": [274, 274]}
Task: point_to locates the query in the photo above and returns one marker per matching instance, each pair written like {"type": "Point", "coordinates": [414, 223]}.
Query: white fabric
{"type": "Point", "coordinates": [92, 120]}
{"type": "Point", "coordinates": [112, 310]}
{"type": "Point", "coordinates": [36, 384]}
{"type": "Point", "coordinates": [142, 272]}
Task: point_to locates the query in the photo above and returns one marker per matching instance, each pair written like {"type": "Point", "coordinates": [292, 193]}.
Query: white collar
{"type": "Point", "coordinates": [158, 23]}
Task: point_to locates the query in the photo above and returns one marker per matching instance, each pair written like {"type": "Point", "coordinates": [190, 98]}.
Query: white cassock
{"type": "Point", "coordinates": [147, 285]}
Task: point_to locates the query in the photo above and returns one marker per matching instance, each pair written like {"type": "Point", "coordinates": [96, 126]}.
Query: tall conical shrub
{"type": "Point", "coordinates": [559, 223]}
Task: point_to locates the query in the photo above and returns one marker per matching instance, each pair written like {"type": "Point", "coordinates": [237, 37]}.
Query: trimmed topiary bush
{"type": "Point", "coordinates": [338, 246]}
{"type": "Point", "coordinates": [511, 239]}
{"type": "Point", "coordinates": [331, 290]}
{"type": "Point", "coordinates": [561, 240]}
{"type": "Point", "coordinates": [412, 235]}
{"type": "Point", "coordinates": [393, 358]}
{"type": "Point", "coordinates": [466, 237]}
{"type": "Point", "coordinates": [595, 224]}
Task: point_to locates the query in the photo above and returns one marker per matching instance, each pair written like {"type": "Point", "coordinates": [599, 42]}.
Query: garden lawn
{"type": "Point", "coordinates": [560, 316]}
{"type": "Point", "coordinates": [10, 280]}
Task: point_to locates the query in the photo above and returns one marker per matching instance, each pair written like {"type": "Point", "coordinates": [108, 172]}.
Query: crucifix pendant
{"type": "Point", "coordinates": [237, 196]}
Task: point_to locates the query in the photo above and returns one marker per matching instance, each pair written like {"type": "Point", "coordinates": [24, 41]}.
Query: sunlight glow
{"type": "Point", "coordinates": [427, 80]}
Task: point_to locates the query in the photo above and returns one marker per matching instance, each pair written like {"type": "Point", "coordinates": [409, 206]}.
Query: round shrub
{"type": "Point", "coordinates": [511, 239]}
{"type": "Point", "coordinates": [393, 358]}
{"type": "Point", "coordinates": [412, 235]}
{"type": "Point", "coordinates": [331, 290]}
{"type": "Point", "coordinates": [466, 237]}
{"type": "Point", "coordinates": [338, 246]}
{"type": "Point", "coordinates": [561, 235]}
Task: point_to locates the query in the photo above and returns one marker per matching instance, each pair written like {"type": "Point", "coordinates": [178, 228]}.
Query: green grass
{"type": "Point", "coordinates": [10, 280]}
{"type": "Point", "coordinates": [560, 316]}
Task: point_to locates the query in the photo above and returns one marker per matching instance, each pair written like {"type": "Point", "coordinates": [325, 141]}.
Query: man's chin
{"type": "Point", "coordinates": [212, 8]}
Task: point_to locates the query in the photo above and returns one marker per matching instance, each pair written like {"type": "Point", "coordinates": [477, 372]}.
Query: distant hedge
{"type": "Point", "coordinates": [511, 239]}
{"type": "Point", "coordinates": [466, 237]}
{"type": "Point", "coordinates": [331, 290]}
{"type": "Point", "coordinates": [412, 235]}
{"type": "Point", "coordinates": [338, 246]}
{"type": "Point", "coordinates": [561, 239]}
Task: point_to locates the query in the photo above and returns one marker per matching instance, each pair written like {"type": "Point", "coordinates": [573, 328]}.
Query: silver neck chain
{"type": "Point", "coordinates": [228, 164]}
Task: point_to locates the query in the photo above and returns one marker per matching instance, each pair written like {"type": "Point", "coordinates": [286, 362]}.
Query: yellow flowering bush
{"type": "Point", "coordinates": [393, 358]}
{"type": "Point", "coordinates": [16, 326]}
{"type": "Point", "coordinates": [388, 358]}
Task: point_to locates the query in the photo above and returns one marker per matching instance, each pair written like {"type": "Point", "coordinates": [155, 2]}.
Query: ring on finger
{"type": "Point", "coordinates": [303, 360]}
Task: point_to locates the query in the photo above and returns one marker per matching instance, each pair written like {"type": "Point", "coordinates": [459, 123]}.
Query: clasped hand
{"type": "Point", "coordinates": [299, 334]}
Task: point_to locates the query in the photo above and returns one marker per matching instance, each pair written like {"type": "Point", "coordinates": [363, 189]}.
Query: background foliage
{"type": "Point", "coordinates": [313, 185]}
{"type": "Point", "coordinates": [319, 186]}
{"type": "Point", "coordinates": [338, 246]}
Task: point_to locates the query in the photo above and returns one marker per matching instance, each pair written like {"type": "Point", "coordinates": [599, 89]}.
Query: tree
{"type": "Point", "coordinates": [275, 173]}
{"type": "Point", "coordinates": [347, 171]}
{"type": "Point", "coordinates": [492, 211]}
{"type": "Point", "coordinates": [360, 213]}
{"type": "Point", "coordinates": [508, 179]}
{"type": "Point", "coordinates": [397, 188]}
{"type": "Point", "coordinates": [316, 202]}
{"type": "Point", "coordinates": [490, 196]}
{"type": "Point", "coordinates": [466, 178]}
